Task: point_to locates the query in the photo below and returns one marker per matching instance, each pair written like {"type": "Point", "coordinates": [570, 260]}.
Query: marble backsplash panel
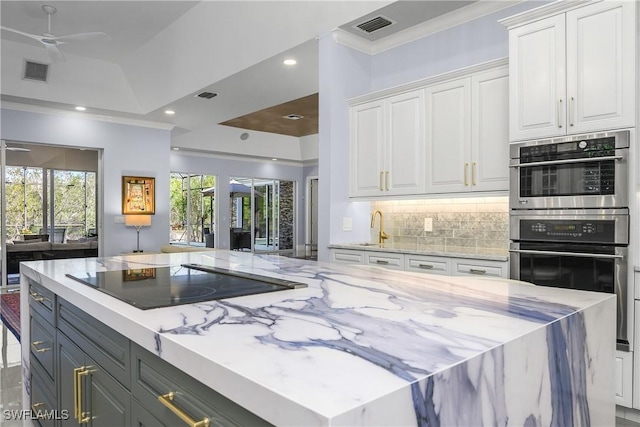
{"type": "Point", "coordinates": [481, 223]}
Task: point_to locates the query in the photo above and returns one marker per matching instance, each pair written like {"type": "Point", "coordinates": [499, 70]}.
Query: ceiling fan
{"type": "Point", "coordinates": [52, 42]}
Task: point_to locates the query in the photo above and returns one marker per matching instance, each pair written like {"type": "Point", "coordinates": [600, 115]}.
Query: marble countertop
{"type": "Point", "coordinates": [415, 249]}
{"type": "Point", "coordinates": [339, 352]}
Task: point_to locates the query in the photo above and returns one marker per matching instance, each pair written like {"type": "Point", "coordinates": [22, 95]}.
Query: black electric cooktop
{"type": "Point", "coordinates": [155, 287]}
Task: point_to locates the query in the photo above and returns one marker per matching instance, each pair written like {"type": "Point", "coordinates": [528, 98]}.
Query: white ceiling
{"type": "Point", "coordinates": [162, 53]}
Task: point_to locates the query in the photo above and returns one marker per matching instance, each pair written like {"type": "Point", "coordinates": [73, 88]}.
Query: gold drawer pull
{"type": "Point", "coordinates": [473, 173]}
{"type": "Point", "coordinates": [37, 297]}
{"type": "Point", "coordinates": [466, 169]}
{"type": "Point", "coordinates": [35, 406]}
{"type": "Point", "coordinates": [477, 271]}
{"type": "Point", "coordinates": [426, 266]}
{"type": "Point", "coordinates": [35, 344]}
{"type": "Point", "coordinates": [79, 415]}
{"type": "Point", "coordinates": [167, 400]}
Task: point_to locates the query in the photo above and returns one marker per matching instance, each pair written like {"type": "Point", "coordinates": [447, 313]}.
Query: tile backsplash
{"type": "Point", "coordinates": [480, 223]}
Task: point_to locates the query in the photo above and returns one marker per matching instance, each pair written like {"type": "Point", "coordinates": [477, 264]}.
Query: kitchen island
{"type": "Point", "coordinates": [367, 346]}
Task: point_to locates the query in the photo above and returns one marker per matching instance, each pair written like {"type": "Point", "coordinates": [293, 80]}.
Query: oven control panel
{"type": "Point", "coordinates": [600, 231]}
{"type": "Point", "coordinates": [598, 147]}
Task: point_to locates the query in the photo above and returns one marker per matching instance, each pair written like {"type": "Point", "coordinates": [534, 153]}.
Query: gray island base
{"type": "Point", "coordinates": [360, 346]}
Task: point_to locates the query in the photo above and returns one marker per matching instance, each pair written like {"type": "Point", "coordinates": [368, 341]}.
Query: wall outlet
{"type": "Point", "coordinates": [347, 224]}
{"type": "Point", "coordinates": [428, 224]}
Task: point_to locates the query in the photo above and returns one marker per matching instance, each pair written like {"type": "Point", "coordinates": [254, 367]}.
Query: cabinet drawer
{"type": "Point", "coordinates": [425, 264]}
{"type": "Point", "coordinates": [42, 397]}
{"type": "Point", "coordinates": [387, 260]}
{"type": "Point", "coordinates": [347, 257]}
{"type": "Point", "coordinates": [153, 377]}
{"type": "Point", "coordinates": [463, 268]}
{"type": "Point", "coordinates": [104, 345]}
{"type": "Point", "coordinates": [42, 343]}
{"type": "Point", "coordinates": [42, 300]}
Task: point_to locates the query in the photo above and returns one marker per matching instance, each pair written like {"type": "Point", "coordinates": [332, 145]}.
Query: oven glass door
{"type": "Point", "coordinates": [576, 266]}
{"type": "Point", "coordinates": [589, 178]}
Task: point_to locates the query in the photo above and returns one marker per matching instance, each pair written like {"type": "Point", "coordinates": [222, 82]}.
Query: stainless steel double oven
{"type": "Point", "coordinates": [569, 216]}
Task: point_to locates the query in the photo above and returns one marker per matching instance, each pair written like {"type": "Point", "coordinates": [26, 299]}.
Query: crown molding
{"type": "Point", "coordinates": [30, 108]}
{"type": "Point", "coordinates": [439, 78]}
{"type": "Point", "coordinates": [446, 21]}
{"type": "Point", "coordinates": [544, 12]}
{"type": "Point", "coordinates": [239, 157]}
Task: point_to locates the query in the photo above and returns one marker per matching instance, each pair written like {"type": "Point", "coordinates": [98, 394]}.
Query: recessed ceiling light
{"type": "Point", "coordinates": [169, 112]}
{"type": "Point", "coordinates": [289, 62]}
{"type": "Point", "coordinates": [80, 108]}
{"type": "Point", "coordinates": [293, 117]}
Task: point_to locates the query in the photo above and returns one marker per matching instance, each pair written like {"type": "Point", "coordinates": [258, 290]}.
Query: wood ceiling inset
{"type": "Point", "coordinates": [272, 119]}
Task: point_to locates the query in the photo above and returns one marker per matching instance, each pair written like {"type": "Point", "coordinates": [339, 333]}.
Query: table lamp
{"type": "Point", "coordinates": [137, 221]}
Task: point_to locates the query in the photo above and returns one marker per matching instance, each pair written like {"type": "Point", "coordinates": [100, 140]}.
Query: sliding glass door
{"type": "Point", "coordinates": [192, 213]}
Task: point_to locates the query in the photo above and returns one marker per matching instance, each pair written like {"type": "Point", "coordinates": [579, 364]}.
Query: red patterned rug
{"type": "Point", "coordinates": [10, 312]}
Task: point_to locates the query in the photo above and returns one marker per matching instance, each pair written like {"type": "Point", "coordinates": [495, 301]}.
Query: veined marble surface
{"type": "Point", "coordinates": [369, 346]}
{"type": "Point", "coordinates": [415, 249]}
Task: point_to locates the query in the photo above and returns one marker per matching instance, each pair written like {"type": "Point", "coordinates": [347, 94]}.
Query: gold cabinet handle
{"type": "Point", "coordinates": [571, 106]}
{"type": "Point", "coordinates": [559, 111]}
{"type": "Point", "coordinates": [386, 180]}
{"type": "Point", "coordinates": [36, 296]}
{"type": "Point", "coordinates": [167, 400]}
{"type": "Point", "coordinates": [35, 344]}
{"type": "Point", "coordinates": [466, 179]}
{"type": "Point", "coordinates": [381, 173]}
{"type": "Point", "coordinates": [81, 416]}
{"type": "Point", "coordinates": [35, 406]}
{"type": "Point", "coordinates": [473, 173]}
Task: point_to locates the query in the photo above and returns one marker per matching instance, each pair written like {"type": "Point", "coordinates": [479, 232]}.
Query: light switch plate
{"type": "Point", "coordinates": [347, 224]}
{"type": "Point", "coordinates": [428, 224]}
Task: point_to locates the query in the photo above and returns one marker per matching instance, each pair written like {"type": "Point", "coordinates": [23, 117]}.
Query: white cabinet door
{"type": "Point", "coordinates": [537, 79]}
{"type": "Point", "coordinates": [346, 256]}
{"type": "Point", "coordinates": [392, 261]}
{"type": "Point", "coordinates": [404, 173]}
{"type": "Point", "coordinates": [427, 264]}
{"type": "Point", "coordinates": [623, 378]}
{"type": "Point", "coordinates": [366, 149]}
{"type": "Point", "coordinates": [601, 67]}
{"type": "Point", "coordinates": [448, 130]}
{"type": "Point", "coordinates": [490, 131]}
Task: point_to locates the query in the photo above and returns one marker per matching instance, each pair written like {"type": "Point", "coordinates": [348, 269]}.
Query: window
{"type": "Point", "coordinates": [192, 209]}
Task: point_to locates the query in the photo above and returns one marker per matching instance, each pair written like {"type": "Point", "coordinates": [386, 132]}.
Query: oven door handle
{"type": "Point", "coordinates": [578, 254]}
{"type": "Point", "coordinates": [560, 162]}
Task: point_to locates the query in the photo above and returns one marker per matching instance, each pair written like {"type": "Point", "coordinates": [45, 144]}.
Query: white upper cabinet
{"type": "Point", "coordinates": [448, 112]}
{"type": "Point", "coordinates": [366, 149]}
{"type": "Point", "coordinates": [467, 134]}
{"type": "Point", "coordinates": [387, 146]}
{"type": "Point", "coordinates": [490, 130]}
{"type": "Point", "coordinates": [537, 83]}
{"type": "Point", "coordinates": [447, 134]}
{"type": "Point", "coordinates": [573, 72]}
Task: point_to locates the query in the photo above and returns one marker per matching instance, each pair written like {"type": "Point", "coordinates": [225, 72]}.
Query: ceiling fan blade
{"type": "Point", "coordinates": [54, 53]}
{"type": "Point", "coordinates": [22, 33]}
{"type": "Point", "coordinates": [83, 37]}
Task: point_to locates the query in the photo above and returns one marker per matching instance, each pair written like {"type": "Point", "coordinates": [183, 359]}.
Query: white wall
{"type": "Point", "coordinates": [344, 73]}
{"type": "Point", "coordinates": [127, 150]}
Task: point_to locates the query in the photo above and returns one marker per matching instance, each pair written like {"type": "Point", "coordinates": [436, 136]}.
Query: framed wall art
{"type": "Point", "coordinates": [138, 195]}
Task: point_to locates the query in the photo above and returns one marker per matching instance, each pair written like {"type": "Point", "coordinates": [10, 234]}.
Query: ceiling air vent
{"type": "Point", "coordinates": [35, 71]}
{"type": "Point", "coordinates": [374, 24]}
{"type": "Point", "coordinates": [206, 95]}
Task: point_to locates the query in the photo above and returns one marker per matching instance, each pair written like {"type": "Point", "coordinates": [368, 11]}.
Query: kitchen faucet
{"type": "Point", "coordinates": [381, 235]}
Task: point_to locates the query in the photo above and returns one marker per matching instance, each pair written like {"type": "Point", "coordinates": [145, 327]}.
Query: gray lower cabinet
{"type": "Point", "coordinates": [85, 373]}
{"type": "Point", "coordinates": [176, 398]}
